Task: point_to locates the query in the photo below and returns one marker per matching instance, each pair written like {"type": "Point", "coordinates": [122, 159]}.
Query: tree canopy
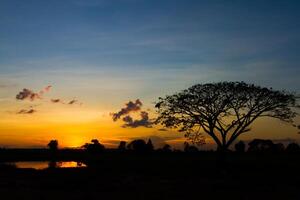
{"type": "Point", "coordinates": [223, 110]}
{"type": "Point", "coordinates": [53, 145]}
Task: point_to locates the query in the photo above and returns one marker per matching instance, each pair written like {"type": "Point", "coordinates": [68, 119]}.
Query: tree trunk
{"type": "Point", "coordinates": [222, 156]}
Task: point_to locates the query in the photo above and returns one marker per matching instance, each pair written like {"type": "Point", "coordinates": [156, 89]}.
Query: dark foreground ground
{"type": "Point", "coordinates": [161, 176]}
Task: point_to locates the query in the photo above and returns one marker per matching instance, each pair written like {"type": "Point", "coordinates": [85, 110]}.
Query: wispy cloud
{"type": "Point", "coordinates": [71, 102]}
{"type": "Point", "coordinates": [74, 101]}
{"type": "Point", "coordinates": [27, 94]}
{"type": "Point", "coordinates": [56, 101]}
{"type": "Point", "coordinates": [27, 111]}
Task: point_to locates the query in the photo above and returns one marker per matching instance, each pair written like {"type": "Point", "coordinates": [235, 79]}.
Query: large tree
{"type": "Point", "coordinates": [223, 110]}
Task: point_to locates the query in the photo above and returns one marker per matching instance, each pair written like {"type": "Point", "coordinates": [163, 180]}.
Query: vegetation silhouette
{"type": "Point", "coordinates": [94, 147]}
{"type": "Point", "coordinates": [140, 146]}
{"type": "Point", "coordinates": [166, 148]}
{"type": "Point", "coordinates": [265, 146]}
{"type": "Point", "coordinates": [140, 168]}
{"type": "Point", "coordinates": [53, 145]}
{"type": "Point", "coordinates": [122, 146]}
{"type": "Point", "coordinates": [190, 148]}
{"type": "Point", "coordinates": [223, 110]}
{"type": "Point", "coordinates": [293, 148]}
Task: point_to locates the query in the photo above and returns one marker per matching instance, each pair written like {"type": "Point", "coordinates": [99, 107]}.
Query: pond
{"type": "Point", "coordinates": [48, 164]}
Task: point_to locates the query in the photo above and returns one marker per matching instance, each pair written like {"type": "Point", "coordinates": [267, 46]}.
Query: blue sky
{"type": "Point", "coordinates": [130, 34]}
{"type": "Point", "coordinates": [106, 52]}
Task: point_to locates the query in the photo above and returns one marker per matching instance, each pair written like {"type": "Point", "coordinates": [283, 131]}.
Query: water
{"type": "Point", "coordinates": [46, 164]}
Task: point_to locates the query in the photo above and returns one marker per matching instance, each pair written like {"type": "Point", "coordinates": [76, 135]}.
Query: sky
{"type": "Point", "coordinates": [101, 54]}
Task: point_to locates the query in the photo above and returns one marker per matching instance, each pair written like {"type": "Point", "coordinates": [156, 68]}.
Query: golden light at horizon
{"type": "Point", "coordinates": [73, 126]}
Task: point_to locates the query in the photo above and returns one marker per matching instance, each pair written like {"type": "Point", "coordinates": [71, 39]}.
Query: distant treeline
{"type": "Point", "coordinates": [140, 145]}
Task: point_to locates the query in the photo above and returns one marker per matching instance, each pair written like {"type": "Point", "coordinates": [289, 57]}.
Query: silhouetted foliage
{"type": "Point", "coordinates": [166, 148]}
{"type": "Point", "coordinates": [53, 145]}
{"type": "Point", "coordinates": [138, 145]}
{"type": "Point", "coordinates": [122, 146]}
{"type": "Point", "coordinates": [190, 148]}
{"type": "Point", "coordinates": [293, 148]}
{"type": "Point", "coordinates": [223, 110]}
{"type": "Point", "coordinates": [149, 145]}
{"type": "Point", "coordinates": [278, 148]}
{"type": "Point", "coordinates": [94, 146]}
{"type": "Point", "coordinates": [259, 145]}
{"type": "Point", "coordinates": [240, 147]}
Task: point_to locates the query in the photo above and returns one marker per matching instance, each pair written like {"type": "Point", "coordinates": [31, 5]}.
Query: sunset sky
{"type": "Point", "coordinates": [81, 60]}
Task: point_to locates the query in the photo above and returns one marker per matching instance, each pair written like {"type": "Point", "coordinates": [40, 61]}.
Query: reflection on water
{"type": "Point", "coordinates": [47, 164]}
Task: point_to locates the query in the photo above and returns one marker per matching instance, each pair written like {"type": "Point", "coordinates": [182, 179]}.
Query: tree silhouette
{"type": "Point", "coordinates": [53, 145]}
{"type": "Point", "coordinates": [223, 110]}
{"type": "Point", "coordinates": [138, 145]}
{"type": "Point", "coordinates": [122, 146]}
{"type": "Point", "coordinates": [149, 145]}
{"type": "Point", "coordinates": [94, 146]}
{"type": "Point", "coordinates": [167, 148]}
{"type": "Point", "coordinates": [190, 148]}
{"type": "Point", "coordinates": [259, 145]}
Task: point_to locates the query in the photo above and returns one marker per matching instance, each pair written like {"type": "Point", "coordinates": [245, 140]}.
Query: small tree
{"type": "Point", "coordinates": [122, 146]}
{"type": "Point", "coordinates": [138, 145]}
{"type": "Point", "coordinates": [94, 147]}
{"type": "Point", "coordinates": [223, 110]}
{"type": "Point", "coordinates": [149, 145]}
{"type": "Point", "coordinates": [53, 145]}
{"type": "Point", "coordinates": [190, 148]}
{"type": "Point", "coordinates": [167, 148]}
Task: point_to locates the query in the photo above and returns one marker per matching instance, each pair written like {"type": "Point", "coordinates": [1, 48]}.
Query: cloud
{"type": "Point", "coordinates": [72, 102]}
{"type": "Point", "coordinates": [56, 101]}
{"type": "Point", "coordinates": [46, 89]}
{"type": "Point", "coordinates": [27, 94]}
{"type": "Point", "coordinates": [143, 122]}
{"type": "Point", "coordinates": [130, 107]}
{"type": "Point", "coordinates": [27, 111]}
{"type": "Point", "coordinates": [30, 95]}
